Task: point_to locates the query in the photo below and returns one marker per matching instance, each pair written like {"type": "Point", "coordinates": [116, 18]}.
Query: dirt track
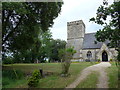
{"type": "Point", "coordinates": [103, 79]}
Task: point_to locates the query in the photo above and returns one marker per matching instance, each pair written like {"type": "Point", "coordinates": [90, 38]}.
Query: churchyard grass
{"type": "Point", "coordinates": [13, 83]}
{"type": "Point", "coordinates": [90, 82]}
{"type": "Point", "coordinates": [51, 81]}
{"type": "Point", "coordinates": [113, 75]}
{"type": "Point", "coordinates": [56, 81]}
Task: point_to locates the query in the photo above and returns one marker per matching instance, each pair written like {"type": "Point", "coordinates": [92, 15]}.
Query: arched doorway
{"type": "Point", "coordinates": [104, 56]}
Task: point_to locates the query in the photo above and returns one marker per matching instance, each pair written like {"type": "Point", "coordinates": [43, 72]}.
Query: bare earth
{"type": "Point", "coordinates": [103, 79]}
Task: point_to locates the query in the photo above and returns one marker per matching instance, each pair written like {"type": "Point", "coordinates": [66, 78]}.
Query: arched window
{"type": "Point", "coordinates": [89, 54]}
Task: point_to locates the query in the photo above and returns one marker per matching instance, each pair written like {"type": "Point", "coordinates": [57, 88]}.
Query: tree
{"type": "Point", "coordinates": [45, 49]}
{"type": "Point", "coordinates": [22, 23]}
{"type": "Point", "coordinates": [55, 46]}
{"type": "Point", "coordinates": [66, 56]}
{"type": "Point", "coordinates": [111, 29]}
{"type": "Point", "coordinates": [38, 52]}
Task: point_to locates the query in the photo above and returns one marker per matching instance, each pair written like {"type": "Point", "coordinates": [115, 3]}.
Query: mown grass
{"type": "Point", "coordinates": [52, 81]}
{"type": "Point", "coordinates": [56, 81]}
{"type": "Point", "coordinates": [90, 81]}
{"type": "Point", "coordinates": [113, 75]}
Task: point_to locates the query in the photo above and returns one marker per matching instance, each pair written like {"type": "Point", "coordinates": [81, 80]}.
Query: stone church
{"type": "Point", "coordinates": [85, 44]}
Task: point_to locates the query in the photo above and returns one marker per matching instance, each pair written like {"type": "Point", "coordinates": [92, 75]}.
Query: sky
{"type": "Point", "coordinates": [73, 10]}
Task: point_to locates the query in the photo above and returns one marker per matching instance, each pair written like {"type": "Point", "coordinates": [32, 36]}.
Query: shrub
{"type": "Point", "coordinates": [7, 60]}
{"type": "Point", "coordinates": [36, 74]}
{"type": "Point", "coordinates": [98, 60]}
{"type": "Point", "coordinates": [111, 60]}
{"type": "Point", "coordinates": [66, 56]}
{"type": "Point", "coordinates": [34, 79]}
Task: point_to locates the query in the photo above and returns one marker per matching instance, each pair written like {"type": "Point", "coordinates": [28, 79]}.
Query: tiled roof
{"type": "Point", "coordinates": [89, 42]}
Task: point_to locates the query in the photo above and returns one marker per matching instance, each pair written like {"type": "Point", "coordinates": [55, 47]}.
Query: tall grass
{"type": "Point", "coordinates": [10, 77]}
{"type": "Point", "coordinates": [113, 75]}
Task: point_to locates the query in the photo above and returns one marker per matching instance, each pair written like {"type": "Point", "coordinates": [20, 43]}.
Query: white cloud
{"type": "Point", "coordinates": [76, 10]}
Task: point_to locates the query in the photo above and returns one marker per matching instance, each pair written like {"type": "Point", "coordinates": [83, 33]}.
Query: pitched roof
{"type": "Point", "coordinates": [89, 42]}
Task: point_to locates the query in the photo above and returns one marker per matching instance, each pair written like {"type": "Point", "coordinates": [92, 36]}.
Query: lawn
{"type": "Point", "coordinates": [113, 75]}
{"type": "Point", "coordinates": [51, 81]}
{"type": "Point", "coordinates": [90, 82]}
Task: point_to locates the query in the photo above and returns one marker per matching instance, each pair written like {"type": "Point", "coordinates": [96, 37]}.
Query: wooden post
{"type": "Point", "coordinates": [41, 72]}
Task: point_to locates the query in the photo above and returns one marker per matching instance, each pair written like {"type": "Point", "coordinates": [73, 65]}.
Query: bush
{"type": "Point", "coordinates": [7, 60]}
{"type": "Point", "coordinates": [98, 60]}
{"type": "Point", "coordinates": [66, 56]}
{"type": "Point", "coordinates": [111, 60]}
{"type": "Point", "coordinates": [34, 79]}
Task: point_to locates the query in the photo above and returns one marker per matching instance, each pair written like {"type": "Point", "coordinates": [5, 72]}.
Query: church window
{"type": "Point", "coordinates": [89, 54]}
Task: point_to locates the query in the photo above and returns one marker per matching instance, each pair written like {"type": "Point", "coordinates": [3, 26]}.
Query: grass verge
{"type": "Point", "coordinates": [90, 81]}
{"type": "Point", "coordinates": [113, 75]}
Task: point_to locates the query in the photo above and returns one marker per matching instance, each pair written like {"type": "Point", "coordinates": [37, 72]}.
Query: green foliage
{"type": "Point", "coordinates": [34, 79]}
{"type": "Point", "coordinates": [6, 81]}
{"type": "Point", "coordinates": [61, 54]}
{"type": "Point", "coordinates": [36, 74]}
{"type": "Point", "coordinates": [98, 60]}
{"type": "Point", "coordinates": [70, 50]}
{"type": "Point", "coordinates": [49, 47]}
{"type": "Point", "coordinates": [44, 48]}
{"type": "Point", "coordinates": [111, 60]}
{"type": "Point", "coordinates": [22, 23]}
{"type": "Point", "coordinates": [66, 56]}
{"type": "Point", "coordinates": [118, 60]}
{"type": "Point", "coordinates": [10, 75]}
{"type": "Point", "coordinates": [118, 57]}
{"type": "Point", "coordinates": [55, 46]}
{"type": "Point", "coordinates": [52, 81]}
{"type": "Point", "coordinates": [111, 29]}
{"type": "Point", "coordinates": [8, 60]}
{"type": "Point", "coordinates": [113, 75]}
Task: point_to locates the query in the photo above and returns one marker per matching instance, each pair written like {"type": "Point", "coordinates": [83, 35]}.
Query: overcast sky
{"type": "Point", "coordinates": [73, 10]}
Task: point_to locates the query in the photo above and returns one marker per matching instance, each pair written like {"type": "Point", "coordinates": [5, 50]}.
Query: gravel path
{"type": "Point", "coordinates": [103, 79]}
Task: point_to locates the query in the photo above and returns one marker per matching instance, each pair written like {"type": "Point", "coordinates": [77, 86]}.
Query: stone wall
{"type": "Point", "coordinates": [97, 53]}
{"type": "Point", "coordinates": [93, 51]}
{"type": "Point", "coordinates": [75, 35]}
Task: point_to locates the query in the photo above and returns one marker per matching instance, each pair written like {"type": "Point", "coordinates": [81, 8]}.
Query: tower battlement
{"type": "Point", "coordinates": [75, 23]}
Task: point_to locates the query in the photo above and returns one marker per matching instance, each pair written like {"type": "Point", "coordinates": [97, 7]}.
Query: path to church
{"type": "Point", "coordinates": [103, 79]}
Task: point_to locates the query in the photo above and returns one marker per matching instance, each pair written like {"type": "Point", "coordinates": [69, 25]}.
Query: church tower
{"type": "Point", "coordinates": [75, 36]}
